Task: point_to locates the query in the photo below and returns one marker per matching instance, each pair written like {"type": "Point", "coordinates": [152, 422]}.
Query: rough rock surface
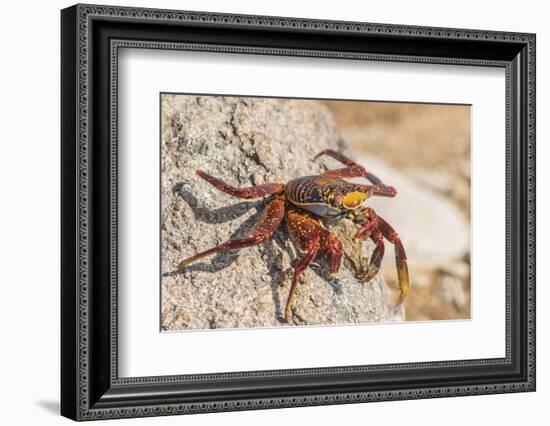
{"type": "Point", "coordinates": [247, 142]}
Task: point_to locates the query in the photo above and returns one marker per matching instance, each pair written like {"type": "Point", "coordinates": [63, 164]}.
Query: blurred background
{"type": "Point", "coordinates": [423, 150]}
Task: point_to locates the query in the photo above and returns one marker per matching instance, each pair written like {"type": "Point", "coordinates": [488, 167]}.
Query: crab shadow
{"type": "Point", "coordinates": [221, 260]}
{"type": "Point", "coordinates": [219, 215]}
{"type": "Point", "coordinates": [274, 249]}
{"type": "Point", "coordinates": [321, 270]}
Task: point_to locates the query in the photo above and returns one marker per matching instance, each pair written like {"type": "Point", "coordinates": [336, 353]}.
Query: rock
{"type": "Point", "coordinates": [452, 183]}
{"type": "Point", "coordinates": [452, 291]}
{"type": "Point", "coordinates": [247, 141]}
{"type": "Point", "coordinates": [437, 180]}
{"type": "Point", "coordinates": [457, 269]}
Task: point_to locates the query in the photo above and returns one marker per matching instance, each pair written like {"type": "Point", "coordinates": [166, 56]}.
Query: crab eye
{"type": "Point", "coordinates": [354, 199]}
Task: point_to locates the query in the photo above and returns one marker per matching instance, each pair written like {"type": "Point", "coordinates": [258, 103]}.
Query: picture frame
{"type": "Point", "coordinates": [91, 37]}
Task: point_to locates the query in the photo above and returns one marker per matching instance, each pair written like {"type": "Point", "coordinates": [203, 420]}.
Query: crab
{"type": "Point", "coordinates": [310, 204]}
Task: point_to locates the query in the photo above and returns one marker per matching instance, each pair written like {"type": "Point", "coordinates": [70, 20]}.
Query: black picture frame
{"type": "Point", "coordinates": [90, 386]}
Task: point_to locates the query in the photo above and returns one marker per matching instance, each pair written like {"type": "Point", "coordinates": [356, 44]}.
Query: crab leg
{"type": "Point", "coordinates": [307, 232]}
{"type": "Point", "coordinates": [400, 257]}
{"type": "Point", "coordinates": [352, 170]}
{"type": "Point", "coordinates": [311, 237]}
{"type": "Point", "coordinates": [298, 269]}
{"type": "Point", "coordinates": [266, 226]}
{"type": "Point", "coordinates": [251, 192]}
{"type": "Point", "coordinates": [375, 227]}
{"type": "Point", "coordinates": [377, 255]}
{"type": "Point", "coordinates": [356, 170]}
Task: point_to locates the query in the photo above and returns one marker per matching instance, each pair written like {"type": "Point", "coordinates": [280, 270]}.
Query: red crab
{"type": "Point", "coordinates": [308, 201]}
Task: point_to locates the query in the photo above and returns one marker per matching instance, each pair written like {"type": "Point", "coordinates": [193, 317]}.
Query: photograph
{"type": "Point", "coordinates": [281, 212]}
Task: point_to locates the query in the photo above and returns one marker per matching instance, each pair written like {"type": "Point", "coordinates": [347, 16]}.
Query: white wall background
{"type": "Point", "coordinates": [29, 212]}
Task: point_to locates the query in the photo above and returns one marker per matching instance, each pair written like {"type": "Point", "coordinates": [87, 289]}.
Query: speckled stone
{"type": "Point", "coordinates": [245, 142]}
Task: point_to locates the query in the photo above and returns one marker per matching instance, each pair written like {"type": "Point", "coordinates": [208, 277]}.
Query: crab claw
{"type": "Point", "coordinates": [403, 275]}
